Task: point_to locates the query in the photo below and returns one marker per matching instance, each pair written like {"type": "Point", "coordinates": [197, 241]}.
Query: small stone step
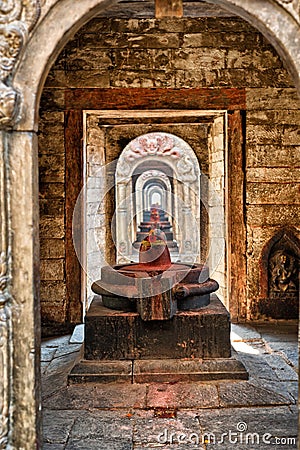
{"type": "Point", "coordinates": [158, 371]}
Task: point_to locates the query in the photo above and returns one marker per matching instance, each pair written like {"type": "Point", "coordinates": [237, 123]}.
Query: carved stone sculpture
{"type": "Point", "coordinates": [186, 169]}
{"type": "Point", "coordinates": [17, 18]}
{"type": "Point", "coordinates": [283, 272]}
{"type": "Point", "coordinates": [152, 144]}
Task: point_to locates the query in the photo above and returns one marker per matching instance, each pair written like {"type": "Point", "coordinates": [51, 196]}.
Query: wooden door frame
{"type": "Point", "coordinates": [230, 99]}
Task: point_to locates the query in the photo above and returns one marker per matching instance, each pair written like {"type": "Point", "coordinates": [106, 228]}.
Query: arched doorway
{"type": "Point", "coordinates": [28, 79]}
{"type": "Point", "coordinates": [151, 151]}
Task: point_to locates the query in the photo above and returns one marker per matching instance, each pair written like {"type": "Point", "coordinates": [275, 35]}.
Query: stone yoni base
{"type": "Point", "coordinates": [192, 346]}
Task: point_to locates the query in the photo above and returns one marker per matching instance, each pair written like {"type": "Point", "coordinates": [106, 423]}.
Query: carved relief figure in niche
{"type": "Point", "coordinates": [283, 272]}
{"type": "Point", "coordinates": [8, 104]}
{"type": "Point", "coordinates": [186, 169]}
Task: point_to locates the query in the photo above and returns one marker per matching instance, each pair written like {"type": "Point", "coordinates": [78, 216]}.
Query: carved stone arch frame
{"type": "Point", "coordinates": [278, 21]}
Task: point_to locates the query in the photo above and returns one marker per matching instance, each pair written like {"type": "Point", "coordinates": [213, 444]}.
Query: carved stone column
{"type": "Point", "coordinates": [19, 315]}
{"type": "Point", "coordinates": [23, 208]}
{"type": "Point", "coordinates": [122, 223]}
{"type": "Point", "coordinates": [5, 304]}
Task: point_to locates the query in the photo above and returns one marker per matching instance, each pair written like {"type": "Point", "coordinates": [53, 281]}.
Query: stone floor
{"type": "Point", "coordinates": [257, 414]}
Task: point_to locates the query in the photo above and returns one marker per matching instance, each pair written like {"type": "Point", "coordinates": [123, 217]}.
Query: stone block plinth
{"type": "Point", "coordinates": [113, 335]}
{"type": "Point", "coordinates": [190, 346]}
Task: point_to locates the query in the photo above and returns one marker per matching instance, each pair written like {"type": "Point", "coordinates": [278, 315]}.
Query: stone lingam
{"type": "Point", "coordinates": [156, 321]}
{"type": "Point", "coordinates": [155, 287]}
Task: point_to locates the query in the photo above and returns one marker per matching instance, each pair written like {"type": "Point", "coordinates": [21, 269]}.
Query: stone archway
{"type": "Point", "coordinates": [18, 162]}
{"type": "Point", "coordinates": [147, 183]}
{"type": "Point", "coordinates": [152, 149]}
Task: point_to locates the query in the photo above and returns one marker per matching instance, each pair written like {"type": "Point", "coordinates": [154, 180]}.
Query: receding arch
{"type": "Point", "coordinates": [150, 150]}
{"type": "Point", "coordinates": [148, 181]}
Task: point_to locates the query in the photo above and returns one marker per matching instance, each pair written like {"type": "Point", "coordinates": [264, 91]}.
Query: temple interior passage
{"type": "Point", "coordinates": [149, 224]}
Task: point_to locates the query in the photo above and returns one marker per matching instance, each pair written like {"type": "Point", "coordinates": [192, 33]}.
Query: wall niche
{"type": "Point", "coordinates": [280, 277]}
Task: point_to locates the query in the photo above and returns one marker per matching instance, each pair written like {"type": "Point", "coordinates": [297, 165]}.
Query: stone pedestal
{"type": "Point", "coordinates": [193, 345]}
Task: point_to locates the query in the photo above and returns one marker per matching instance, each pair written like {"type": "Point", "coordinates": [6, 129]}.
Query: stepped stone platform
{"type": "Point", "coordinates": [140, 416]}
{"type": "Point", "coordinates": [192, 346]}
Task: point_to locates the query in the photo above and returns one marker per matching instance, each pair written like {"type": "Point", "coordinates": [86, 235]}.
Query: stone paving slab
{"type": "Point", "coordinates": [188, 446]}
{"type": "Point", "coordinates": [53, 446]}
{"type": "Point", "coordinates": [283, 370]}
{"type": "Point", "coordinates": [56, 342]}
{"type": "Point", "coordinates": [284, 350]}
{"type": "Point", "coordinates": [181, 395]}
{"type": "Point", "coordinates": [193, 426]}
{"type": "Point", "coordinates": [106, 425]}
{"type": "Point", "coordinates": [268, 423]}
{"type": "Point", "coordinates": [248, 446]}
{"type": "Point", "coordinates": [287, 389]}
{"type": "Point", "coordinates": [57, 429]}
{"type": "Point", "coordinates": [98, 444]}
{"type": "Point", "coordinates": [100, 396]}
{"type": "Point", "coordinates": [52, 384]}
{"type": "Point", "coordinates": [274, 420]}
{"type": "Point", "coordinates": [48, 353]}
{"type": "Point", "coordinates": [248, 394]}
{"type": "Point", "coordinates": [78, 335]}
{"type": "Point", "coordinates": [150, 430]}
{"type": "Point", "coordinates": [62, 364]}
{"type": "Point", "coordinates": [258, 367]}
{"type": "Point", "coordinates": [278, 333]}
{"type": "Point", "coordinates": [67, 349]}
{"type": "Point", "coordinates": [243, 333]}
{"type": "Point", "coordinates": [254, 348]}
{"type": "Point", "coordinates": [44, 366]}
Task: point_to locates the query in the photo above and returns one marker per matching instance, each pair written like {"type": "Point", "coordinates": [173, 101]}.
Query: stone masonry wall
{"type": "Point", "coordinates": [52, 216]}
{"type": "Point", "coordinates": [180, 53]}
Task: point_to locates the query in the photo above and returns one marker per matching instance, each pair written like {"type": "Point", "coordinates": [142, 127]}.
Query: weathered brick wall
{"type": "Point", "coordinates": [181, 53]}
{"type": "Point", "coordinates": [52, 216]}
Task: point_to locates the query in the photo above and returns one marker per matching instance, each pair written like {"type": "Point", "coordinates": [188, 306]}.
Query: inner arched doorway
{"type": "Point", "coordinates": [177, 187]}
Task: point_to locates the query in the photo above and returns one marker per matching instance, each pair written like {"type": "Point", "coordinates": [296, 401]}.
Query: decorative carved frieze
{"type": "Point", "coordinates": [17, 18]}
{"type": "Point", "coordinates": [151, 144]}
{"type": "Point", "coordinates": [154, 174]}
{"type": "Point", "coordinates": [292, 6]}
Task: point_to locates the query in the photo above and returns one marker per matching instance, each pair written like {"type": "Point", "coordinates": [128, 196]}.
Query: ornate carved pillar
{"type": "Point", "coordinates": [5, 305]}
{"type": "Point", "coordinates": [19, 356]}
